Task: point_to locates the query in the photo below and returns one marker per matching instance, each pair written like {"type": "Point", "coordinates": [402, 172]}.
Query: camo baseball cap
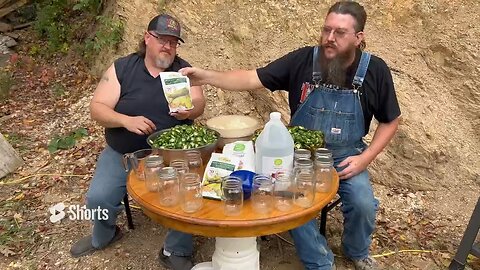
{"type": "Point", "coordinates": [165, 24]}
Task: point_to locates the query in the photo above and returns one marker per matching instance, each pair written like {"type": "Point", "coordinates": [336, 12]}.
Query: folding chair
{"type": "Point", "coordinates": [467, 245]}
{"type": "Point", "coordinates": [323, 216]}
{"type": "Point", "coordinates": [128, 212]}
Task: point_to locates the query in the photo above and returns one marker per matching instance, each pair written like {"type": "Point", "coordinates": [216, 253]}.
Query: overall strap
{"type": "Point", "coordinates": [316, 74]}
{"type": "Point", "coordinates": [361, 70]}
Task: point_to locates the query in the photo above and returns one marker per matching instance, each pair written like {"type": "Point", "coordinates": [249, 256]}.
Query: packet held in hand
{"type": "Point", "coordinates": [219, 166]}
{"type": "Point", "coordinates": [176, 88]}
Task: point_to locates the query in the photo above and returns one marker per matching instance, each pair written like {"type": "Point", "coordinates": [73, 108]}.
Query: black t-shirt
{"type": "Point", "coordinates": [140, 94]}
{"type": "Point", "coordinates": [291, 71]}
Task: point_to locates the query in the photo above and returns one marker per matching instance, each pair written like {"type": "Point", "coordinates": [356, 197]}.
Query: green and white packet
{"type": "Point", "coordinates": [176, 88]}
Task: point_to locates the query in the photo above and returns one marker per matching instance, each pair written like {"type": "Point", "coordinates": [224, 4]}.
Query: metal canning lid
{"type": "Point", "coordinates": [153, 161]}
{"type": "Point", "coordinates": [302, 153]}
{"type": "Point", "coordinates": [323, 152]}
{"type": "Point", "coordinates": [323, 160]}
{"type": "Point", "coordinates": [303, 162]}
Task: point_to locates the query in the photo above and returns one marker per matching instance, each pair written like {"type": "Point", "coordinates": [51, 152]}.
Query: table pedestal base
{"type": "Point", "coordinates": [233, 254]}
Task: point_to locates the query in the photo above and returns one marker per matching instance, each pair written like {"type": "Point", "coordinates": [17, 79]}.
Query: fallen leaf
{"type": "Point", "coordinates": [6, 251]}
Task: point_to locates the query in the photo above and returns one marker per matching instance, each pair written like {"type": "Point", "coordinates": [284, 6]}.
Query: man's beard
{"type": "Point", "coordinates": [334, 71]}
{"type": "Point", "coordinates": [163, 62]}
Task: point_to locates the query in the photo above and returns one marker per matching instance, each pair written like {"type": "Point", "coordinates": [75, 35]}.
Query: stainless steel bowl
{"type": "Point", "coordinates": [171, 154]}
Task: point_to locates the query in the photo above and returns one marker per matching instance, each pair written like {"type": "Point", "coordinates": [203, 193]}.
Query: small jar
{"type": "Point", "coordinates": [262, 194]}
{"type": "Point", "coordinates": [153, 164]}
{"type": "Point", "coordinates": [195, 163]}
{"type": "Point", "coordinates": [232, 195]}
{"type": "Point", "coordinates": [324, 174]}
{"type": "Point", "coordinates": [191, 193]}
{"type": "Point", "coordinates": [283, 192]}
{"type": "Point", "coordinates": [305, 189]}
{"type": "Point", "coordinates": [169, 189]}
{"type": "Point", "coordinates": [302, 154]}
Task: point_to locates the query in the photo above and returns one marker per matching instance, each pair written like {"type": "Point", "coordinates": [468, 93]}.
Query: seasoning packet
{"type": "Point", "coordinates": [218, 166]}
{"type": "Point", "coordinates": [244, 151]}
{"type": "Point", "coordinates": [176, 88]}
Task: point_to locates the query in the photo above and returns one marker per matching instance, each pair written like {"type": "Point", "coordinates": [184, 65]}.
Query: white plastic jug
{"type": "Point", "coordinates": [274, 148]}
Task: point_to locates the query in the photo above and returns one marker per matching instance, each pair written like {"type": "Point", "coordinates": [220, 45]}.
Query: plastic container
{"type": "Point", "coordinates": [274, 148]}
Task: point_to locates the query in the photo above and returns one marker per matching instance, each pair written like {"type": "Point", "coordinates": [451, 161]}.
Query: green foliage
{"type": "Point", "coordinates": [92, 6]}
{"type": "Point", "coordinates": [66, 142]}
{"type": "Point", "coordinates": [66, 24]}
{"type": "Point", "coordinates": [58, 90]}
{"type": "Point", "coordinates": [162, 6]}
{"type": "Point", "coordinates": [108, 35]}
{"type": "Point", "coordinates": [14, 232]}
{"type": "Point", "coordinates": [51, 24]}
{"type": "Point", "coordinates": [18, 141]}
{"type": "Point", "coordinates": [6, 83]}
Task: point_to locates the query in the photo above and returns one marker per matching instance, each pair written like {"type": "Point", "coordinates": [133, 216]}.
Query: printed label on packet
{"type": "Point", "coordinates": [176, 88]}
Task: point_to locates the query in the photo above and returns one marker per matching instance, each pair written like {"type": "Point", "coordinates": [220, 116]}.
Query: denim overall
{"type": "Point", "coordinates": [338, 113]}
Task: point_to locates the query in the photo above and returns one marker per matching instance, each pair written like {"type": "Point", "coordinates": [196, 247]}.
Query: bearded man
{"type": "Point", "coordinates": [337, 88]}
{"type": "Point", "coordinates": [130, 103]}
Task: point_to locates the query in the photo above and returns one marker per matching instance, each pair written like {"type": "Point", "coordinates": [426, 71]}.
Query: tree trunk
{"type": "Point", "coordinates": [10, 160]}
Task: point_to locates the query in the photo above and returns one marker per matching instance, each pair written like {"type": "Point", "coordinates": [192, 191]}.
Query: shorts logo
{"type": "Point", "coordinates": [57, 212]}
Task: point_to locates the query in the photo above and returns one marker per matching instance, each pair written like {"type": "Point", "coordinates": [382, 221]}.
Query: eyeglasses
{"type": "Point", "coordinates": [163, 42]}
{"type": "Point", "coordinates": [337, 33]}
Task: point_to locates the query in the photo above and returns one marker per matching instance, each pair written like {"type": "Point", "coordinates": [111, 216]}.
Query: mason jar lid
{"type": "Point", "coordinates": [303, 162]}
{"type": "Point", "coordinates": [302, 153]}
{"type": "Point", "coordinates": [323, 152]}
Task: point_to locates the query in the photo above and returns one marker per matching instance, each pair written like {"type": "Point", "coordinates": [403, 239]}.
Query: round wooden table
{"type": "Point", "coordinates": [235, 246]}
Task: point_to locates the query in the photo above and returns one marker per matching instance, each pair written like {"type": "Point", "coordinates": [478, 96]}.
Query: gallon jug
{"type": "Point", "coordinates": [274, 148]}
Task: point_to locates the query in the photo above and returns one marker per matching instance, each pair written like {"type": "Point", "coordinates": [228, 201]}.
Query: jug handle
{"type": "Point", "coordinates": [126, 158]}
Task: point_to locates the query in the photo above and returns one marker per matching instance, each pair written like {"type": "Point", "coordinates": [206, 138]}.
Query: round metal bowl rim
{"type": "Point", "coordinates": [155, 134]}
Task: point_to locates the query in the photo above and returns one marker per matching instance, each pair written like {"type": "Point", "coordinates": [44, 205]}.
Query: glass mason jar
{"type": "Point", "coordinates": [191, 193]}
{"type": "Point", "coordinates": [180, 165]}
{"type": "Point", "coordinates": [302, 154]}
{"type": "Point", "coordinates": [169, 186]}
{"type": "Point", "coordinates": [232, 195]}
{"type": "Point", "coordinates": [323, 152]}
{"type": "Point", "coordinates": [301, 165]}
{"type": "Point", "coordinates": [323, 174]}
{"type": "Point", "coordinates": [283, 190]}
{"type": "Point", "coordinates": [194, 161]}
{"type": "Point", "coordinates": [153, 165]}
{"type": "Point", "coordinates": [305, 188]}
{"type": "Point", "coordinates": [262, 194]}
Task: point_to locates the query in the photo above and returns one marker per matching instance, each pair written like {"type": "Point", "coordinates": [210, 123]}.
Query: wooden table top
{"type": "Point", "coordinates": [210, 220]}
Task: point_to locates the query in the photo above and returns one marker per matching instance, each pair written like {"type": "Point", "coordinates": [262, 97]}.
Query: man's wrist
{"type": "Point", "coordinates": [369, 155]}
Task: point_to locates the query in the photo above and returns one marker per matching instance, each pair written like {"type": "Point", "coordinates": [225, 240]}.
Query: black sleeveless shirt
{"type": "Point", "coordinates": [140, 94]}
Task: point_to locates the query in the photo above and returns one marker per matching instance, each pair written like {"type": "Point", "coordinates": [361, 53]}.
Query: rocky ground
{"type": "Point", "coordinates": [427, 180]}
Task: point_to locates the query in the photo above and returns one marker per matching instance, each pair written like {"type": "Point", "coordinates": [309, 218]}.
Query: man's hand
{"type": "Point", "coordinates": [139, 125]}
{"type": "Point", "coordinates": [354, 165]}
{"type": "Point", "coordinates": [181, 114]}
{"type": "Point", "coordinates": [196, 75]}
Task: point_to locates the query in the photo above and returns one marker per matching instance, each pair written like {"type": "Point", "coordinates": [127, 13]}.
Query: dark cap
{"type": "Point", "coordinates": [165, 25]}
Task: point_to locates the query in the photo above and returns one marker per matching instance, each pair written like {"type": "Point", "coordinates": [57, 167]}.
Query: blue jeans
{"type": "Point", "coordinates": [359, 209]}
{"type": "Point", "coordinates": [107, 189]}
